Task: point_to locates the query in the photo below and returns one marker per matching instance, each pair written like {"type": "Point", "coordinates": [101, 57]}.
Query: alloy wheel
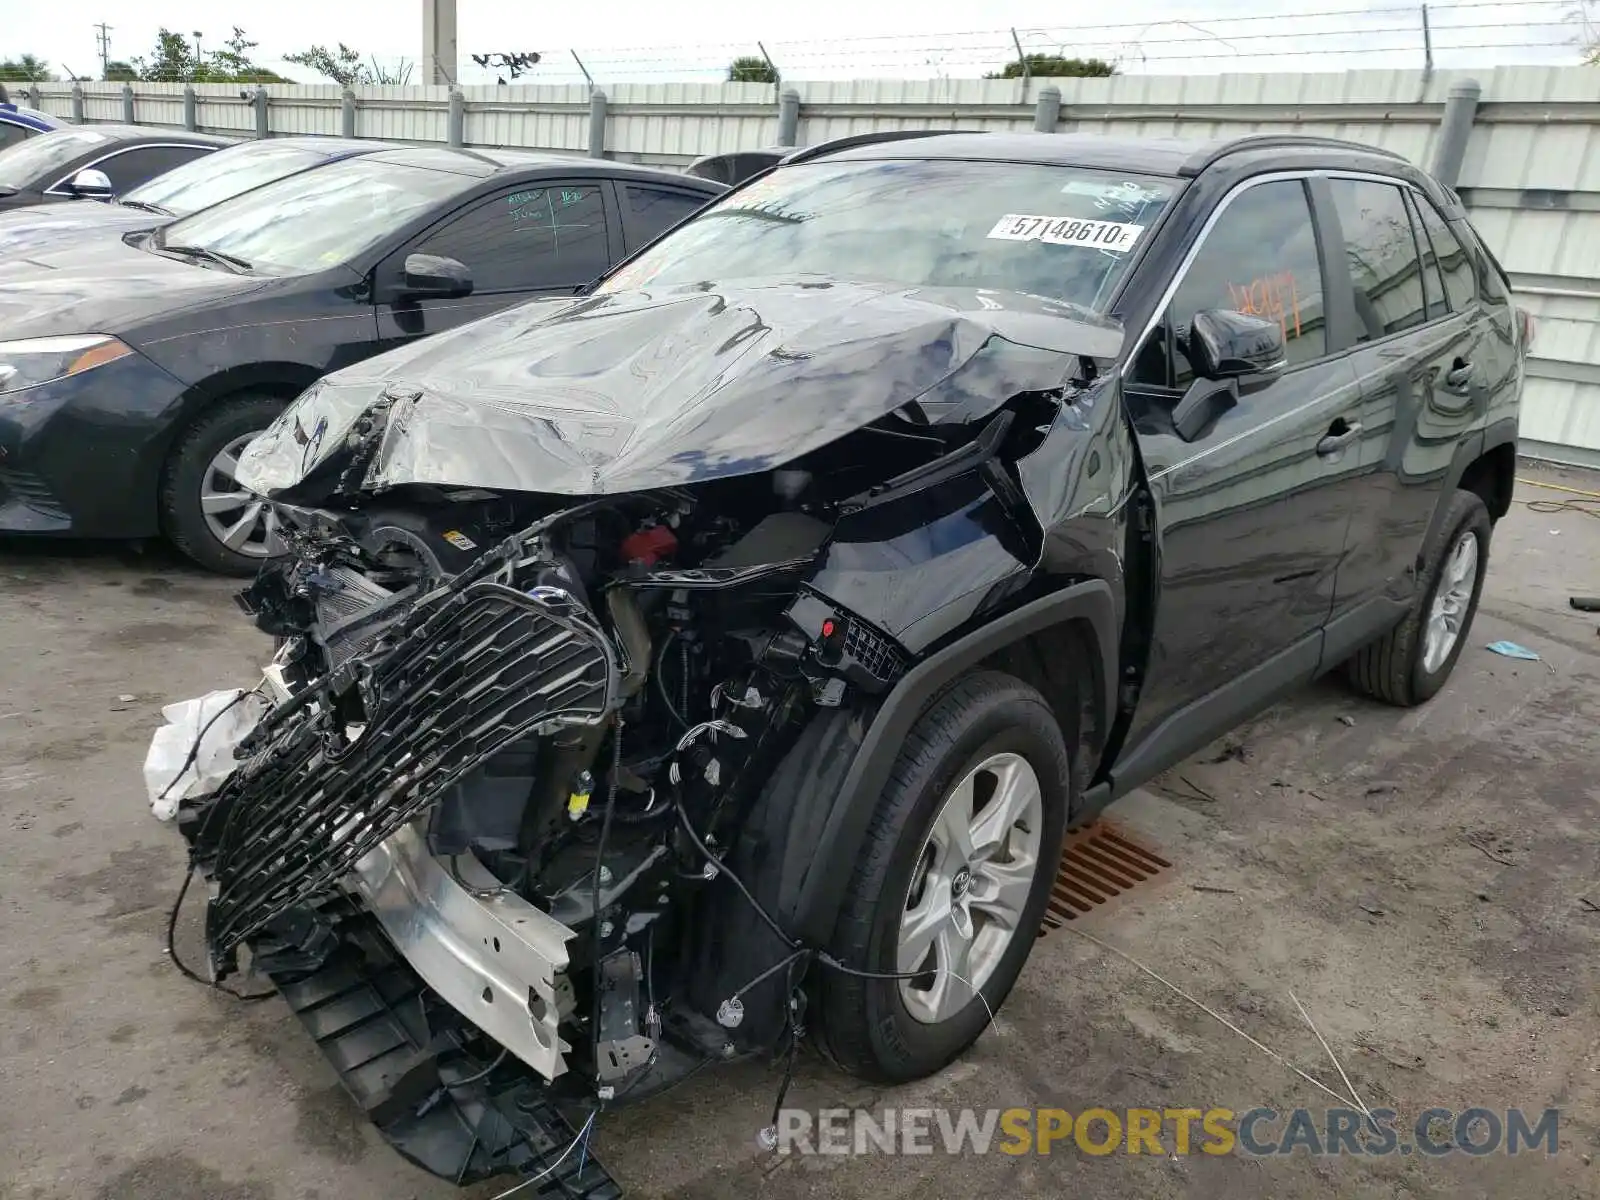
{"type": "Point", "coordinates": [970, 886]}
{"type": "Point", "coordinates": [240, 520]}
{"type": "Point", "coordinates": [1451, 602]}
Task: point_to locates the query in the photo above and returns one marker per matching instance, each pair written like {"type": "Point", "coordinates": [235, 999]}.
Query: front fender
{"type": "Point", "coordinates": [829, 815]}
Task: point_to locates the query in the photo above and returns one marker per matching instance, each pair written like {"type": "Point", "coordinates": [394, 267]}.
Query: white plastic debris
{"type": "Point", "coordinates": [169, 773]}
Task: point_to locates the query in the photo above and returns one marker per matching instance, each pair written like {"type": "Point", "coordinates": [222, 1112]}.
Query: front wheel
{"type": "Point", "coordinates": [205, 512]}
{"type": "Point", "coordinates": [952, 881]}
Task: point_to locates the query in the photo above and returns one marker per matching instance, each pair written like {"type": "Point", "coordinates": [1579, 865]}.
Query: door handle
{"type": "Point", "coordinates": [1459, 376]}
{"type": "Point", "coordinates": [1337, 441]}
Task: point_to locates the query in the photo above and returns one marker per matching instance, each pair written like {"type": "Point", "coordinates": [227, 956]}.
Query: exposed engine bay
{"type": "Point", "coordinates": [555, 706]}
{"type": "Point", "coordinates": [560, 756]}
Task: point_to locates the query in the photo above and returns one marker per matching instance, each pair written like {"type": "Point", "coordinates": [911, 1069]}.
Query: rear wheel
{"type": "Point", "coordinates": [204, 511]}
{"type": "Point", "coordinates": [1411, 662]}
{"type": "Point", "coordinates": [951, 883]}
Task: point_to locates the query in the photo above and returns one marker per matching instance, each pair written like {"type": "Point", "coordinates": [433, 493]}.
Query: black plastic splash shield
{"type": "Point", "coordinates": [488, 668]}
{"type": "Point", "coordinates": [368, 1012]}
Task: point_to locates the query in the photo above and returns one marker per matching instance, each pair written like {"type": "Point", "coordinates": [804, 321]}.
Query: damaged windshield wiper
{"type": "Point", "coordinates": [237, 265]}
{"type": "Point", "coordinates": [146, 206]}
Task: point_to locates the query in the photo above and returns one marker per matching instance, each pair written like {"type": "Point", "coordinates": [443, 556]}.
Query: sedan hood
{"type": "Point", "coordinates": [28, 230]}
{"type": "Point", "coordinates": [103, 285]}
{"type": "Point", "coordinates": [645, 389]}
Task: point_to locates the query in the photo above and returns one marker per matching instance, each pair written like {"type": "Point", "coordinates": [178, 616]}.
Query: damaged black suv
{"type": "Point", "coordinates": [717, 658]}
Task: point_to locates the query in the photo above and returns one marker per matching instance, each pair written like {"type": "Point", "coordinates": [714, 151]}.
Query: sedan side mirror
{"type": "Point", "coordinates": [435, 275]}
{"type": "Point", "coordinates": [1230, 352]}
{"type": "Point", "coordinates": [90, 185]}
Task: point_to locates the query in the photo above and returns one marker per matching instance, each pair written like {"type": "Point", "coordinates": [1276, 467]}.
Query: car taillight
{"type": "Point", "coordinates": [1528, 328]}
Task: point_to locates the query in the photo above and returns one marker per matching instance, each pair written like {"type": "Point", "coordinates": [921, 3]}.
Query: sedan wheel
{"type": "Point", "coordinates": [238, 519]}
{"type": "Point", "coordinates": [204, 510]}
{"type": "Point", "coordinates": [974, 876]}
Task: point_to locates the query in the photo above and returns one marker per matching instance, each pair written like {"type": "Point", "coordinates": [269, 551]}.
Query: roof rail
{"type": "Point", "coordinates": [850, 142]}
{"type": "Point", "coordinates": [1210, 154]}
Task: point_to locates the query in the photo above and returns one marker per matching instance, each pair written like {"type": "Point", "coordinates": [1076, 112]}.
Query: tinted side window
{"type": "Point", "coordinates": [143, 163]}
{"type": "Point", "coordinates": [11, 134]}
{"type": "Point", "coordinates": [1382, 255]}
{"type": "Point", "coordinates": [1432, 281]}
{"type": "Point", "coordinates": [1259, 258]}
{"type": "Point", "coordinates": [540, 237]}
{"type": "Point", "coordinates": [1454, 262]}
{"type": "Point", "coordinates": [654, 210]}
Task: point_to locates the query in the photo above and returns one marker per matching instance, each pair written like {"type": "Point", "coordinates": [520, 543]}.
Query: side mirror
{"type": "Point", "coordinates": [1228, 345]}
{"type": "Point", "coordinates": [434, 275]}
{"type": "Point", "coordinates": [90, 185]}
{"type": "Point", "coordinates": [1230, 352]}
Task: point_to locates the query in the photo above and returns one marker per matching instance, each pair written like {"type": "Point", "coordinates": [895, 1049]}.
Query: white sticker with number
{"type": "Point", "coordinates": [1067, 231]}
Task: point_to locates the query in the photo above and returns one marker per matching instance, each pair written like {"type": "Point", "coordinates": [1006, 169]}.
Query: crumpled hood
{"type": "Point", "coordinates": [101, 285]}
{"type": "Point", "coordinates": [25, 230]}
{"type": "Point", "coordinates": [644, 389]}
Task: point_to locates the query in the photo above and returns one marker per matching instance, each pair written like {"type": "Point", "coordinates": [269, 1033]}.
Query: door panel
{"type": "Point", "coordinates": [1420, 390]}
{"type": "Point", "coordinates": [1252, 516]}
{"type": "Point", "coordinates": [519, 244]}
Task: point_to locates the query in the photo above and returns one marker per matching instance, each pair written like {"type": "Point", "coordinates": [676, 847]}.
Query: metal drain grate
{"type": "Point", "coordinates": [1097, 863]}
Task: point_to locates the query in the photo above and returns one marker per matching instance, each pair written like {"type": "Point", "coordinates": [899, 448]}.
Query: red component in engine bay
{"type": "Point", "coordinates": [649, 545]}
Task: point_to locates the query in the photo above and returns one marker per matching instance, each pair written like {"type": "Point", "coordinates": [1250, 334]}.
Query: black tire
{"type": "Point", "coordinates": [865, 1026]}
{"type": "Point", "coordinates": [1392, 669]}
{"type": "Point", "coordinates": [181, 518]}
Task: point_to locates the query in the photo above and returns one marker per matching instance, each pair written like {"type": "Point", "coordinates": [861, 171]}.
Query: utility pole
{"type": "Point", "coordinates": [439, 41]}
{"type": "Point", "coordinates": [102, 37]}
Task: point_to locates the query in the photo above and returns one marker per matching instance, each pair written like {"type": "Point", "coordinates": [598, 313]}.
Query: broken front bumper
{"type": "Point", "coordinates": [464, 1119]}
{"type": "Point", "coordinates": [319, 794]}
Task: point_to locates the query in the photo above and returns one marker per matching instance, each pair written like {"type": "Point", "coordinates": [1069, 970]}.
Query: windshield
{"type": "Point", "coordinates": [319, 220]}
{"type": "Point", "coordinates": [32, 162]}
{"type": "Point", "coordinates": [1065, 233]}
{"type": "Point", "coordinates": [213, 178]}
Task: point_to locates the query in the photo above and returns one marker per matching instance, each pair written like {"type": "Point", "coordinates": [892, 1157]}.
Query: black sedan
{"type": "Point", "coordinates": [94, 162]}
{"type": "Point", "coordinates": [134, 371]}
{"type": "Point", "coordinates": [197, 184]}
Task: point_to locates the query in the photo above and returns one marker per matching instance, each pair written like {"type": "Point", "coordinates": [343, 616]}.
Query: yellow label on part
{"type": "Point", "coordinates": [577, 804]}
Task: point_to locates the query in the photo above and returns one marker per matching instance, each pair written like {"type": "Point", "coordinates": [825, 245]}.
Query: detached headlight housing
{"type": "Point", "coordinates": [32, 361]}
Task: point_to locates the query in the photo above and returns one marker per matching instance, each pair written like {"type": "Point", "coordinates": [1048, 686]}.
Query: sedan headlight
{"type": "Point", "coordinates": [39, 360]}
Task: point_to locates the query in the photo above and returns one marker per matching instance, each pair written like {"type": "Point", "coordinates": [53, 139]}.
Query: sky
{"type": "Point", "coordinates": [648, 41]}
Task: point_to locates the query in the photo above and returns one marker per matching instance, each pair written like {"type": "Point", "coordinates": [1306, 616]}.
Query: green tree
{"type": "Point", "coordinates": [1055, 66]}
{"type": "Point", "coordinates": [116, 70]}
{"type": "Point", "coordinates": [344, 66]}
{"type": "Point", "coordinates": [172, 61]}
{"type": "Point", "coordinates": [750, 69]}
{"type": "Point", "coordinates": [26, 68]}
{"type": "Point", "coordinates": [233, 64]}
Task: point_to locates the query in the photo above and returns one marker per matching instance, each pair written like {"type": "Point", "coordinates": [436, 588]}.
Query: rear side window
{"type": "Point", "coordinates": [1432, 281]}
{"type": "Point", "coordinates": [1260, 258]}
{"type": "Point", "coordinates": [1455, 264]}
{"type": "Point", "coordinates": [535, 237]}
{"type": "Point", "coordinates": [11, 134]}
{"type": "Point", "coordinates": [653, 211]}
{"type": "Point", "coordinates": [1381, 251]}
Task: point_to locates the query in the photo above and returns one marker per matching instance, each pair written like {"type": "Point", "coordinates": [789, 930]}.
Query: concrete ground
{"type": "Point", "coordinates": [1426, 883]}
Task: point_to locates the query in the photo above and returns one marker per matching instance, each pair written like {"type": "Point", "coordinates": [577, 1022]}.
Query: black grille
{"type": "Point", "coordinates": [488, 668]}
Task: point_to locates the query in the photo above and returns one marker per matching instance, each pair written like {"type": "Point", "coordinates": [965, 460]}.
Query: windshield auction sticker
{"type": "Point", "coordinates": [1067, 231]}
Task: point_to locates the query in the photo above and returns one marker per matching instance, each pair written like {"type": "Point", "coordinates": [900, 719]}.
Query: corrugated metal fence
{"type": "Point", "coordinates": [1530, 175]}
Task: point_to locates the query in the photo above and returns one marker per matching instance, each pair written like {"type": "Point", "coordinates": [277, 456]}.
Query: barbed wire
{"type": "Point", "coordinates": [1457, 33]}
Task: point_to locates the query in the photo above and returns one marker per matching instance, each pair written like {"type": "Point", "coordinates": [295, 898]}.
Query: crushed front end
{"type": "Point", "coordinates": [565, 682]}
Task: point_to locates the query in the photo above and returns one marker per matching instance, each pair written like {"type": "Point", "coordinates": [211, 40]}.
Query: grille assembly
{"type": "Point", "coordinates": [320, 791]}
